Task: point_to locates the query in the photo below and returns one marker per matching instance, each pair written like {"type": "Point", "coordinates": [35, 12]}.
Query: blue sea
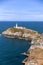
{"type": "Point", "coordinates": [11, 49]}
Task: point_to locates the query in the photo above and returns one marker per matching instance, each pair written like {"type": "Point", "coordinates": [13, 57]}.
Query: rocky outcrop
{"type": "Point", "coordinates": [26, 34]}
{"type": "Point", "coordinates": [35, 53]}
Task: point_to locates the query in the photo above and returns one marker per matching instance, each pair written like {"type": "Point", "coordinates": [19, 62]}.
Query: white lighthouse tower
{"type": "Point", "coordinates": [16, 26]}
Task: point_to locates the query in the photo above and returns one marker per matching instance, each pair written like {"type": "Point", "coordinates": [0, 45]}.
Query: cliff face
{"type": "Point", "coordinates": [20, 33]}
{"type": "Point", "coordinates": [35, 57]}
{"type": "Point", "coordinates": [35, 53]}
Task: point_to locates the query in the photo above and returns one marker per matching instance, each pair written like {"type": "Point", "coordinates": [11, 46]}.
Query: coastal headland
{"type": "Point", "coordinates": [35, 53]}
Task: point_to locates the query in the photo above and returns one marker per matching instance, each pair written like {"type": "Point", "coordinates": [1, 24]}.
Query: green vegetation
{"type": "Point", "coordinates": [15, 30]}
{"type": "Point", "coordinates": [22, 30]}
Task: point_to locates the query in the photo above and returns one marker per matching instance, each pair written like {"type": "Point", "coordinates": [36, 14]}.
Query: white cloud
{"type": "Point", "coordinates": [15, 10]}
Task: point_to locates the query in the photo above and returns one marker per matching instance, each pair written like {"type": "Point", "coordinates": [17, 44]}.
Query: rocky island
{"type": "Point", "coordinates": [35, 53]}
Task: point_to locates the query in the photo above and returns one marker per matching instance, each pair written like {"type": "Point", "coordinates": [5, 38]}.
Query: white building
{"type": "Point", "coordinates": [19, 27]}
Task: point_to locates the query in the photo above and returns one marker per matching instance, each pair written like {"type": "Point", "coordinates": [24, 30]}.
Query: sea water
{"type": "Point", "coordinates": [11, 49]}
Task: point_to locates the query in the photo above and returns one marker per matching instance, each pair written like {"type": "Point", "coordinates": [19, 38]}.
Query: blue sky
{"type": "Point", "coordinates": [21, 10]}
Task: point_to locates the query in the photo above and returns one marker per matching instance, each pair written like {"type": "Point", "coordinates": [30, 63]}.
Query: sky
{"type": "Point", "coordinates": [21, 10]}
